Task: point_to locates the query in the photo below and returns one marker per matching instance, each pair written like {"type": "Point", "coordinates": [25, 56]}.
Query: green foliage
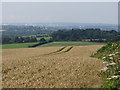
{"type": "Point", "coordinates": [46, 38]}
{"type": "Point", "coordinates": [94, 35]}
{"type": "Point", "coordinates": [7, 40]}
{"type": "Point", "coordinates": [111, 55]}
{"type": "Point", "coordinates": [111, 83]}
{"type": "Point", "coordinates": [42, 40]}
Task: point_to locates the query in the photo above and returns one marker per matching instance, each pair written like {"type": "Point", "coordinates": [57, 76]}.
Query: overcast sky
{"type": "Point", "coordinates": [82, 12]}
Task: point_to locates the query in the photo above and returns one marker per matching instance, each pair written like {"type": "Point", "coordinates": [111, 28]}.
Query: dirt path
{"type": "Point", "coordinates": [48, 67]}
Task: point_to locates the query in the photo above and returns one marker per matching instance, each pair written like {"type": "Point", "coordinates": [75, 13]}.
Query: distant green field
{"type": "Point", "coordinates": [53, 44]}
{"type": "Point", "coordinates": [70, 43]}
{"type": "Point", "coordinates": [46, 38]}
{"type": "Point", "coordinates": [17, 45]}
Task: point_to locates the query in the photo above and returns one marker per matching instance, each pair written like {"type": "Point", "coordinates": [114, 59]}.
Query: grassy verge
{"type": "Point", "coordinates": [16, 45]}
{"type": "Point", "coordinates": [70, 43]}
{"type": "Point", "coordinates": [111, 56]}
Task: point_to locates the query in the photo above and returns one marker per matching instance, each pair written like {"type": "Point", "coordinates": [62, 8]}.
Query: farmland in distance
{"type": "Point", "coordinates": [16, 45]}
{"type": "Point", "coordinates": [52, 44]}
{"type": "Point", "coordinates": [70, 43]}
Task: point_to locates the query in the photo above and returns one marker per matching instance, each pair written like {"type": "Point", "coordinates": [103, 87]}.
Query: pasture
{"type": "Point", "coordinates": [70, 43]}
{"type": "Point", "coordinates": [52, 44]}
{"type": "Point", "coordinates": [16, 45]}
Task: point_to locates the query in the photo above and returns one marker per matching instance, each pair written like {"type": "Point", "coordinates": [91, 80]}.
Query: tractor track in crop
{"type": "Point", "coordinates": [59, 51]}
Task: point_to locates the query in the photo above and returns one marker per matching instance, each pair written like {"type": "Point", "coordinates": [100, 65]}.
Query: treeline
{"type": "Point", "coordinates": [94, 35]}
{"type": "Point", "coordinates": [24, 39]}
{"type": "Point", "coordinates": [17, 39]}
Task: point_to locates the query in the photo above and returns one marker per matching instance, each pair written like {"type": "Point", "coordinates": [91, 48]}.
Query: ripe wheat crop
{"type": "Point", "coordinates": [70, 67]}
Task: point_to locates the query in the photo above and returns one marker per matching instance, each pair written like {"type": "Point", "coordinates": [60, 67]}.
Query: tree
{"type": "Point", "coordinates": [94, 35]}
{"type": "Point", "coordinates": [6, 39]}
{"type": "Point", "coordinates": [42, 40]}
{"type": "Point", "coordinates": [33, 39]}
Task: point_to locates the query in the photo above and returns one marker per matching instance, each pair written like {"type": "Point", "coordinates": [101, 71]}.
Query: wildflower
{"type": "Point", "coordinates": [104, 69]}
{"type": "Point", "coordinates": [103, 57]}
{"type": "Point", "coordinates": [109, 78]}
{"type": "Point", "coordinates": [118, 47]}
{"type": "Point", "coordinates": [110, 64]}
{"type": "Point", "coordinates": [115, 77]}
{"type": "Point", "coordinates": [116, 52]}
{"type": "Point", "coordinates": [105, 62]}
{"type": "Point", "coordinates": [111, 55]}
{"type": "Point", "coordinates": [111, 58]}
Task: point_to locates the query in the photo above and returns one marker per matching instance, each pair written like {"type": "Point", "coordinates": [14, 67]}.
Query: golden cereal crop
{"type": "Point", "coordinates": [42, 68]}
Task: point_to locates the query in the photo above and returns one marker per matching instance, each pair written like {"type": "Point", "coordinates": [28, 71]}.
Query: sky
{"type": "Point", "coordinates": [50, 12]}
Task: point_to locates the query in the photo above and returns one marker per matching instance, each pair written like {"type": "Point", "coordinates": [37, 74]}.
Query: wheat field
{"type": "Point", "coordinates": [51, 67]}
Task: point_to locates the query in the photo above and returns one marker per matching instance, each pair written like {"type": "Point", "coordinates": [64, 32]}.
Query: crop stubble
{"type": "Point", "coordinates": [43, 67]}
